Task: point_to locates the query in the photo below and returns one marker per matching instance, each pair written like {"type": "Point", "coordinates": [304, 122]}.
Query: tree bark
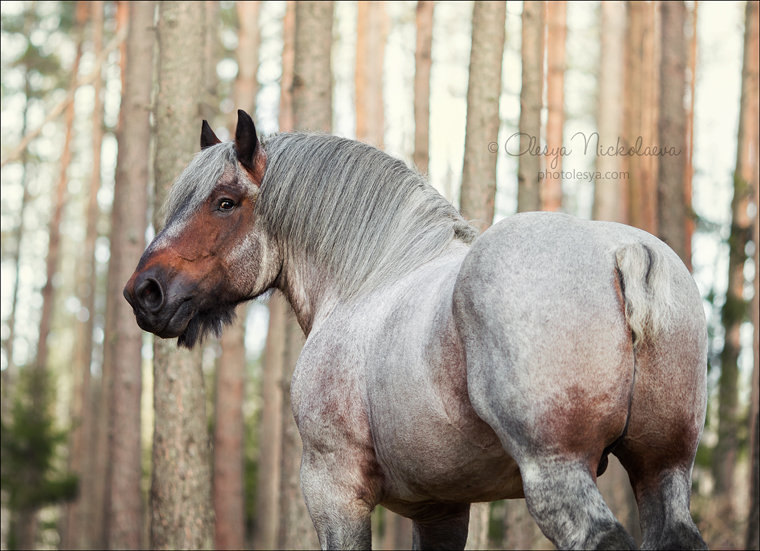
{"type": "Point", "coordinates": [752, 537]}
{"type": "Point", "coordinates": [312, 110]}
{"type": "Point", "coordinates": [734, 311]}
{"type": "Point", "coordinates": [611, 190]}
{"type": "Point", "coordinates": [556, 31]}
{"type": "Point", "coordinates": [181, 484]}
{"type": "Point", "coordinates": [26, 518]}
{"type": "Point", "coordinates": [229, 502]}
{"type": "Point", "coordinates": [371, 36]}
{"type": "Point", "coordinates": [229, 427]}
{"type": "Point", "coordinates": [76, 514]}
{"type": "Point", "coordinates": [122, 381]}
{"type": "Point", "coordinates": [640, 116]}
{"type": "Point", "coordinates": [270, 428]}
{"type": "Point", "coordinates": [9, 374]}
{"type": "Point", "coordinates": [671, 126]}
{"type": "Point", "coordinates": [312, 77]}
{"type": "Point", "coordinates": [422, 63]}
{"type": "Point", "coordinates": [267, 522]}
{"type": "Point", "coordinates": [531, 94]}
{"type": "Point", "coordinates": [478, 193]}
{"type": "Point", "coordinates": [246, 84]}
{"type": "Point", "coordinates": [690, 221]}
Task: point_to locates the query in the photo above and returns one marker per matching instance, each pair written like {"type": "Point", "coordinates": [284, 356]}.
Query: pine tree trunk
{"type": "Point", "coordinates": [398, 531]}
{"type": "Point", "coordinates": [26, 518]}
{"type": "Point", "coordinates": [478, 193]}
{"type": "Point", "coordinates": [228, 486]}
{"type": "Point", "coordinates": [229, 427]}
{"type": "Point", "coordinates": [639, 127]}
{"type": "Point", "coordinates": [371, 35]}
{"type": "Point", "coordinates": [312, 110]}
{"type": "Point", "coordinates": [75, 520]}
{"type": "Point", "coordinates": [247, 53]}
{"type": "Point", "coordinates": [122, 379]}
{"type": "Point", "coordinates": [556, 25]}
{"type": "Point", "coordinates": [181, 515]}
{"type": "Point", "coordinates": [9, 374]}
{"type": "Point", "coordinates": [671, 126]}
{"type": "Point", "coordinates": [688, 161]}
{"type": "Point", "coordinates": [270, 429]}
{"type": "Point", "coordinates": [531, 94]}
{"type": "Point", "coordinates": [611, 190]}
{"type": "Point", "coordinates": [266, 530]}
{"type": "Point", "coordinates": [735, 308]}
{"type": "Point", "coordinates": [422, 62]}
{"type": "Point", "coordinates": [752, 537]}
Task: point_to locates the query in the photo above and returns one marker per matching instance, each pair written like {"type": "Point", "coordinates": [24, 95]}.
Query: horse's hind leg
{"type": "Point", "coordinates": [664, 511]}
{"type": "Point", "coordinates": [563, 499]}
{"type": "Point", "coordinates": [658, 453]}
{"type": "Point", "coordinates": [441, 526]}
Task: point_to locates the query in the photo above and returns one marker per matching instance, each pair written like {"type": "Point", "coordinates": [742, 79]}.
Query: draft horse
{"type": "Point", "coordinates": [442, 367]}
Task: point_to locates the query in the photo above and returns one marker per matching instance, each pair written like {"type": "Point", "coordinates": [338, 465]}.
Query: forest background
{"type": "Point", "coordinates": [101, 107]}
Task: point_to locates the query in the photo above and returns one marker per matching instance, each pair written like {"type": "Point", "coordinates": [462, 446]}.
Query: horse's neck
{"type": "Point", "coordinates": [313, 294]}
{"type": "Point", "coordinates": [308, 289]}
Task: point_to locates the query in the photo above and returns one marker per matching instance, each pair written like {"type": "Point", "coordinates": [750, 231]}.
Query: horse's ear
{"type": "Point", "coordinates": [208, 138]}
{"type": "Point", "coordinates": [246, 142]}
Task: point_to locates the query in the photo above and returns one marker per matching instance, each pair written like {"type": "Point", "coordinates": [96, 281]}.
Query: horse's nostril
{"type": "Point", "coordinates": [150, 294]}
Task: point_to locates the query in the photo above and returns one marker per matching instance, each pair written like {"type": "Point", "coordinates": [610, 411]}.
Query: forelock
{"type": "Point", "coordinates": [198, 179]}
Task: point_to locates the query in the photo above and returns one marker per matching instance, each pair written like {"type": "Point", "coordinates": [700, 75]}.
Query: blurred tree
{"type": "Point", "coordinates": [267, 524]}
{"type": "Point", "coordinates": [610, 193]}
{"type": "Point", "coordinates": [640, 114]}
{"type": "Point", "coordinates": [28, 450]}
{"type": "Point", "coordinates": [371, 36]}
{"type": "Point", "coordinates": [75, 522]}
{"type": "Point", "coordinates": [690, 221]}
{"type": "Point", "coordinates": [734, 311]}
{"type": "Point", "coordinates": [181, 515]}
{"type": "Point", "coordinates": [483, 92]}
{"type": "Point", "coordinates": [422, 62]}
{"type": "Point", "coordinates": [32, 63]}
{"type": "Point", "coordinates": [229, 486]}
{"type": "Point", "coordinates": [752, 537]}
{"type": "Point", "coordinates": [35, 414]}
{"type": "Point", "coordinates": [531, 100]}
{"type": "Point", "coordinates": [556, 31]}
{"type": "Point", "coordinates": [478, 192]}
{"type": "Point", "coordinates": [312, 110]}
{"type": "Point", "coordinates": [122, 362]}
{"type": "Point", "coordinates": [672, 207]}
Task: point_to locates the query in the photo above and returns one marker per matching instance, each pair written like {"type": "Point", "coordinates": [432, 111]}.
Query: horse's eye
{"type": "Point", "coordinates": [226, 204]}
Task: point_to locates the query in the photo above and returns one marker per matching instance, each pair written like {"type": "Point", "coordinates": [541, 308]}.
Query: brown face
{"type": "Point", "coordinates": [204, 262]}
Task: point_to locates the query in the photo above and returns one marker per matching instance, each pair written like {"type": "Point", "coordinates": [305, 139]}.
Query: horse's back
{"type": "Point", "coordinates": [540, 305]}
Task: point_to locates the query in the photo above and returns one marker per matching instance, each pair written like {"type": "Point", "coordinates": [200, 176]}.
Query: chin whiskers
{"type": "Point", "coordinates": [206, 322]}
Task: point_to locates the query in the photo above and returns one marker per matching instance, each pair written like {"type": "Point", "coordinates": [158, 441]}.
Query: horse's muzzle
{"type": "Point", "coordinates": [159, 306]}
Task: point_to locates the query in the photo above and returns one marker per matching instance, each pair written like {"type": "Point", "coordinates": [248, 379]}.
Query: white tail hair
{"type": "Point", "coordinates": [646, 288]}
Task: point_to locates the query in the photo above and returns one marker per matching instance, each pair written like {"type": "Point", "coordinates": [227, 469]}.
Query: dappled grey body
{"type": "Point", "coordinates": [442, 369]}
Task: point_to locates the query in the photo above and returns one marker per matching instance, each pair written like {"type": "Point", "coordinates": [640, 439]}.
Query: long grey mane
{"type": "Point", "coordinates": [354, 210]}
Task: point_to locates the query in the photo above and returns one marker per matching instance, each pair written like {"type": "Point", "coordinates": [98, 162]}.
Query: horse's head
{"type": "Point", "coordinates": [211, 254]}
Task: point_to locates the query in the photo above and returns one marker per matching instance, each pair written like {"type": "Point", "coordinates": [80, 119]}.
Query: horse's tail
{"type": "Point", "coordinates": [645, 280]}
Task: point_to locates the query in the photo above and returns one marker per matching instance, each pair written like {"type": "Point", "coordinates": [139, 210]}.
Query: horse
{"type": "Point", "coordinates": [442, 367]}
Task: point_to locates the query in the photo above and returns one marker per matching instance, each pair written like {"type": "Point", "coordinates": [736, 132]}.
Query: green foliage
{"type": "Point", "coordinates": [29, 443]}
